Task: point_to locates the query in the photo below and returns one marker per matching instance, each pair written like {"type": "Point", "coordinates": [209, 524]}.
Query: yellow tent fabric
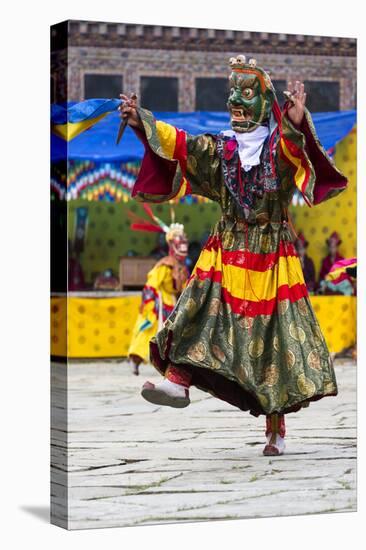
{"type": "Point", "coordinates": [102, 327]}
{"type": "Point", "coordinates": [337, 214]}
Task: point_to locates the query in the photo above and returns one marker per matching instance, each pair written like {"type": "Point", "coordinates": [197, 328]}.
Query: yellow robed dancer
{"type": "Point", "coordinates": [165, 282]}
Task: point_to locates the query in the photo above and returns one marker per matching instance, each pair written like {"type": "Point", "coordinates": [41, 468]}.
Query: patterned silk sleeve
{"type": "Point", "coordinates": [304, 164]}
{"type": "Point", "coordinates": [175, 163]}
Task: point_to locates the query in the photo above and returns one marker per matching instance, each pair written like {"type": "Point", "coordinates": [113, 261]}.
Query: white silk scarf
{"type": "Point", "coordinates": [250, 145]}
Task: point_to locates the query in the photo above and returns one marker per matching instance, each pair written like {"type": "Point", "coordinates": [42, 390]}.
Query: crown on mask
{"type": "Point", "coordinates": [239, 62]}
{"type": "Point", "coordinates": [175, 230]}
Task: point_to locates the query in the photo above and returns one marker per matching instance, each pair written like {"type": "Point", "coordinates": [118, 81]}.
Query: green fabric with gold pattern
{"type": "Point", "coordinates": [244, 326]}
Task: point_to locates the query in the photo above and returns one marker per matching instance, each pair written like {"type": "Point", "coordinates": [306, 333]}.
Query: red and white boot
{"type": "Point", "coordinates": [173, 391]}
{"type": "Point", "coordinates": [275, 433]}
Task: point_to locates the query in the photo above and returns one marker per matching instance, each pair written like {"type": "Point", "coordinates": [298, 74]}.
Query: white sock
{"type": "Point", "coordinates": [171, 388]}
{"type": "Point", "coordinates": [279, 442]}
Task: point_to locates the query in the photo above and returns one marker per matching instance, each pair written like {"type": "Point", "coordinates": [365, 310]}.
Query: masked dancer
{"type": "Point", "coordinates": [243, 329]}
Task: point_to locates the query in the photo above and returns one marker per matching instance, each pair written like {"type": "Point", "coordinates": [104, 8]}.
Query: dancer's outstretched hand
{"type": "Point", "coordinates": [297, 96]}
{"type": "Point", "coordinates": [128, 111]}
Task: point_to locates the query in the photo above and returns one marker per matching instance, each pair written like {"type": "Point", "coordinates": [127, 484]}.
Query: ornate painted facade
{"type": "Point", "coordinates": [135, 51]}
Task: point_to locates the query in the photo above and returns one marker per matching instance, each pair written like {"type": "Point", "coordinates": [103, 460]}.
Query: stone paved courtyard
{"type": "Point", "coordinates": [133, 463]}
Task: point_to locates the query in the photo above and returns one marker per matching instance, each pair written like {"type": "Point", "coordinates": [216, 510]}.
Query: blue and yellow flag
{"type": "Point", "coordinates": [69, 121]}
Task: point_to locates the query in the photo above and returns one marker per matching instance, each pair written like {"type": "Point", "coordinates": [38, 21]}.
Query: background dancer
{"type": "Point", "coordinates": [164, 284]}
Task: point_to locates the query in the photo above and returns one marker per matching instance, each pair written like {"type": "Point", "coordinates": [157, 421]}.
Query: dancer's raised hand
{"type": "Point", "coordinates": [128, 111]}
{"type": "Point", "coordinates": [297, 97]}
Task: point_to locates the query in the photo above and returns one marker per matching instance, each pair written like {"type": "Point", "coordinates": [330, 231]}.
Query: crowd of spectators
{"type": "Point", "coordinates": [320, 284]}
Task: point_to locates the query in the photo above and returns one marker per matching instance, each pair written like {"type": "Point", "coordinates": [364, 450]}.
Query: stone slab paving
{"type": "Point", "coordinates": [133, 463]}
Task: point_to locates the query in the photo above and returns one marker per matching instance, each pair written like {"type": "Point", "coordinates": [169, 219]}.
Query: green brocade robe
{"type": "Point", "coordinates": [244, 326]}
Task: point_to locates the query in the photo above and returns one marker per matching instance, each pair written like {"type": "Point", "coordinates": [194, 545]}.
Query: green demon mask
{"type": "Point", "coordinates": [251, 95]}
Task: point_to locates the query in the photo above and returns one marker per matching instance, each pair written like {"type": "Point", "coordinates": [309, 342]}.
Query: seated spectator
{"type": "Point", "coordinates": [76, 279]}
{"type": "Point", "coordinates": [106, 281]}
{"type": "Point", "coordinates": [307, 263]}
{"type": "Point", "coordinates": [333, 256]}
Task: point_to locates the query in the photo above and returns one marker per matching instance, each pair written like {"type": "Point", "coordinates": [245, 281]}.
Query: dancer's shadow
{"type": "Point", "coordinates": [40, 512]}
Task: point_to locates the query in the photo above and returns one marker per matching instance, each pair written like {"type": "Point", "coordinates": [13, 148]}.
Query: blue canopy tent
{"type": "Point", "coordinates": [98, 143]}
{"type": "Point", "coordinates": [99, 169]}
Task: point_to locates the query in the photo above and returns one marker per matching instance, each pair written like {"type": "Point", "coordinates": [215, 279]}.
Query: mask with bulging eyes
{"type": "Point", "coordinates": [251, 96]}
{"type": "Point", "coordinates": [178, 245]}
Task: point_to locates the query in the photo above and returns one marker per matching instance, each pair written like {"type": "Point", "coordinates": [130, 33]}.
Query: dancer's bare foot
{"type": "Point", "coordinates": [166, 393]}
